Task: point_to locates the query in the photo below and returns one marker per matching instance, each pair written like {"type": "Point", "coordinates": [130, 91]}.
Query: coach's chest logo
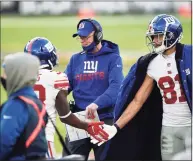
{"type": "Point", "coordinates": [90, 66]}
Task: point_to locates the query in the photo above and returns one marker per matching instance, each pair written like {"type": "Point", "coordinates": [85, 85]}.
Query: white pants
{"type": "Point", "coordinates": [51, 150]}
{"type": "Point", "coordinates": [175, 140]}
{"type": "Point", "coordinates": [184, 155]}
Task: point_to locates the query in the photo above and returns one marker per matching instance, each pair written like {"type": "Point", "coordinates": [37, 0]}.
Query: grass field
{"type": "Point", "coordinates": [127, 31]}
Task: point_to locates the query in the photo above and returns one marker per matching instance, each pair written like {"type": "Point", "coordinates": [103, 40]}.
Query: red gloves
{"type": "Point", "coordinates": [96, 131]}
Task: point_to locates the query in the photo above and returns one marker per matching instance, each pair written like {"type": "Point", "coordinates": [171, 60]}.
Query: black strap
{"type": "Point", "coordinates": [60, 138]}
{"type": "Point", "coordinates": [117, 127]}
{"type": "Point", "coordinates": [59, 135]}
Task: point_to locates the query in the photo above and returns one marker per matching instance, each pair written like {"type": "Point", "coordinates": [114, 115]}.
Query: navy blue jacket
{"type": "Point", "coordinates": [96, 78]}
{"type": "Point", "coordinates": [140, 138]}
{"type": "Point", "coordinates": [17, 122]}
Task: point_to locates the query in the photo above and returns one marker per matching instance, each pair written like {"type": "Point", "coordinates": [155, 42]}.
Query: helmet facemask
{"type": "Point", "coordinates": [158, 46]}
{"type": "Point", "coordinates": [166, 40]}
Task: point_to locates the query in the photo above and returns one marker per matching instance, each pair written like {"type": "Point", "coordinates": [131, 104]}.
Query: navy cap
{"type": "Point", "coordinates": [86, 27]}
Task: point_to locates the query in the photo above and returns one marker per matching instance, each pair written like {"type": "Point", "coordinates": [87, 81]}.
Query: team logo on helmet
{"type": "Point", "coordinates": [49, 46]}
{"type": "Point", "coordinates": [81, 26]}
{"type": "Point", "coordinates": [169, 20]}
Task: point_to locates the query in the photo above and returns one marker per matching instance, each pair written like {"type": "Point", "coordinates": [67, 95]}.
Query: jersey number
{"type": "Point", "coordinates": [41, 92]}
{"type": "Point", "coordinates": [170, 89]}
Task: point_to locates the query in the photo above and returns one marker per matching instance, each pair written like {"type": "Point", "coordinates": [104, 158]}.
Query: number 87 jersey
{"type": "Point", "coordinates": [48, 84]}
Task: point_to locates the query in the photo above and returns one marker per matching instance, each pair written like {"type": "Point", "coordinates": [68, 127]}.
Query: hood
{"type": "Point", "coordinates": [108, 47]}
{"type": "Point", "coordinates": [21, 70]}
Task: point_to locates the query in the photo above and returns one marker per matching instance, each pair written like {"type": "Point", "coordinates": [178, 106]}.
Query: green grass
{"type": "Point", "coordinates": [127, 31]}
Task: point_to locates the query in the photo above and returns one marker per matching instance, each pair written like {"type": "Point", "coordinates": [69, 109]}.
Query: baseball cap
{"type": "Point", "coordinates": [86, 27]}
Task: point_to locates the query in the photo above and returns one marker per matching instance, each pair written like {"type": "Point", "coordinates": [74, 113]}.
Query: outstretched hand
{"type": "Point", "coordinates": [110, 130]}
{"type": "Point", "coordinates": [90, 110]}
{"type": "Point", "coordinates": [95, 130]}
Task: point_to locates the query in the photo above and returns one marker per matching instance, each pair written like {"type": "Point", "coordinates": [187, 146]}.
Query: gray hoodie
{"type": "Point", "coordinates": [21, 70]}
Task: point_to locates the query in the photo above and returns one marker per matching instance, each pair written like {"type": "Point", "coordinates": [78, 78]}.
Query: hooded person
{"type": "Point", "coordinates": [23, 112]}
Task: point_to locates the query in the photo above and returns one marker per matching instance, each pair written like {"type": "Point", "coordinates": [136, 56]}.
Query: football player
{"type": "Point", "coordinates": [52, 89]}
{"type": "Point", "coordinates": [159, 80]}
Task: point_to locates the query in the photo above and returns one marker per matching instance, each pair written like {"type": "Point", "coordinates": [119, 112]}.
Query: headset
{"type": "Point", "coordinates": [98, 35]}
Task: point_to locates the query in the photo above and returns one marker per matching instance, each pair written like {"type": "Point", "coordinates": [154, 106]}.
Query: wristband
{"type": "Point", "coordinates": [117, 127]}
{"type": "Point", "coordinates": [63, 117]}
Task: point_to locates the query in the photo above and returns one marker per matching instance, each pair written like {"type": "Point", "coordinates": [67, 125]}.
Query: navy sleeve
{"type": "Point", "coordinates": [13, 120]}
{"type": "Point", "coordinates": [108, 98]}
{"type": "Point", "coordinates": [68, 72]}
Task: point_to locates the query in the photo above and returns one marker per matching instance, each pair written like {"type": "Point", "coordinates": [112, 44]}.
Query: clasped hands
{"type": "Point", "coordinates": [98, 131]}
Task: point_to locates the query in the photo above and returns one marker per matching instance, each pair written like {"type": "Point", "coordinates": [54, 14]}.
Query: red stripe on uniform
{"type": "Point", "coordinates": [59, 85]}
{"type": "Point", "coordinates": [40, 120]}
{"type": "Point", "coordinates": [50, 149]}
{"type": "Point", "coordinates": [61, 80]}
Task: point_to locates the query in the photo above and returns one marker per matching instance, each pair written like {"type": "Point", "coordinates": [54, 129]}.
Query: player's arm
{"type": "Point", "coordinates": [61, 84]}
{"type": "Point", "coordinates": [62, 106]}
{"type": "Point", "coordinates": [64, 112]}
{"type": "Point", "coordinates": [136, 104]}
{"type": "Point", "coordinates": [63, 109]}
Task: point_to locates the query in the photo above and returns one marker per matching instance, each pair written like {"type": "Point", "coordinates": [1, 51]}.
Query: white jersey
{"type": "Point", "coordinates": [175, 108]}
{"type": "Point", "coordinates": [48, 84]}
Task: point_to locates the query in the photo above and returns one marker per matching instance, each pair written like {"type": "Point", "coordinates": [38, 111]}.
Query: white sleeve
{"type": "Point", "coordinates": [150, 70]}
{"type": "Point", "coordinates": [61, 81]}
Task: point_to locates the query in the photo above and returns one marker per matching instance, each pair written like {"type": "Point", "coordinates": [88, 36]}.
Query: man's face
{"type": "Point", "coordinates": [157, 40]}
{"type": "Point", "coordinates": [86, 40]}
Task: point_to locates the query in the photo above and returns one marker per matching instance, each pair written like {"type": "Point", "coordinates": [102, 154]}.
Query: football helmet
{"type": "Point", "coordinates": [44, 50]}
{"type": "Point", "coordinates": [168, 30]}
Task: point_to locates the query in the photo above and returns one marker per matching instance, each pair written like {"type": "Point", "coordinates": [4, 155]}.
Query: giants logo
{"type": "Point", "coordinates": [90, 76]}
{"type": "Point", "coordinates": [81, 26]}
{"type": "Point", "coordinates": [90, 66]}
{"type": "Point", "coordinates": [169, 20]}
{"type": "Point", "coordinates": [49, 46]}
